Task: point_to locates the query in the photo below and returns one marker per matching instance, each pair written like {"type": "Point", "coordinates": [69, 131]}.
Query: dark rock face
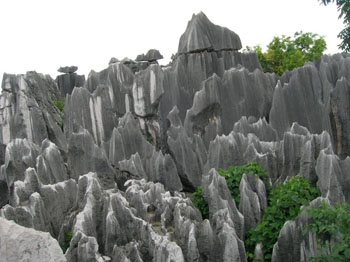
{"type": "Point", "coordinates": [136, 134]}
{"type": "Point", "coordinates": [151, 56]}
{"type": "Point", "coordinates": [201, 35]}
{"type": "Point", "coordinates": [67, 82]}
{"type": "Point", "coordinates": [67, 69]}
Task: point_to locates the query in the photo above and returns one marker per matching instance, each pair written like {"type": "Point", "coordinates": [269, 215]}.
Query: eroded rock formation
{"type": "Point", "coordinates": [117, 168]}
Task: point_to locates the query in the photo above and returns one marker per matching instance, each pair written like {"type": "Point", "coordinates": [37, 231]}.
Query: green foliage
{"type": "Point", "coordinates": [327, 222]}
{"type": "Point", "coordinates": [286, 53]}
{"type": "Point", "coordinates": [234, 175]}
{"type": "Point", "coordinates": [200, 203]}
{"type": "Point", "coordinates": [344, 9]}
{"type": "Point", "coordinates": [60, 104]}
{"type": "Point", "coordinates": [284, 204]}
{"type": "Point", "coordinates": [233, 178]}
{"type": "Point", "coordinates": [69, 236]}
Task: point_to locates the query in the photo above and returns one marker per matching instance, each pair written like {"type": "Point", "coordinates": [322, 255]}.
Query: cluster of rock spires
{"type": "Point", "coordinates": [137, 138]}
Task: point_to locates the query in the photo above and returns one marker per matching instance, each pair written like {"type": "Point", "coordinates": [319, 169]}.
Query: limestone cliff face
{"type": "Point", "coordinates": [116, 167]}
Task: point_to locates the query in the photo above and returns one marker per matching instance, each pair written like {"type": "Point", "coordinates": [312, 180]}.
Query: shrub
{"type": "Point", "coordinates": [331, 222]}
{"type": "Point", "coordinates": [234, 175]}
{"type": "Point", "coordinates": [200, 203]}
{"type": "Point", "coordinates": [284, 204]}
{"type": "Point", "coordinates": [60, 104]}
{"type": "Point", "coordinates": [233, 178]}
{"type": "Point", "coordinates": [286, 53]}
{"type": "Point", "coordinates": [69, 236]}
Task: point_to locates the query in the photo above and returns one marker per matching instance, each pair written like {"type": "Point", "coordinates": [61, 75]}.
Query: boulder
{"type": "Point", "coordinates": [67, 69]}
{"type": "Point", "coordinates": [19, 244]}
{"type": "Point", "coordinates": [151, 56]}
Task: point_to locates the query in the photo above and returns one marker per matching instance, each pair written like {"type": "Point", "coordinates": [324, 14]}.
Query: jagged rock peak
{"type": "Point", "coordinates": [113, 61]}
{"type": "Point", "coordinates": [152, 55]}
{"type": "Point", "coordinates": [68, 69]}
{"type": "Point", "coordinates": [201, 34]}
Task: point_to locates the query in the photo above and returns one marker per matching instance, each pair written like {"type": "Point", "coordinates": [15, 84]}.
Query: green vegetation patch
{"type": "Point", "coordinates": [331, 222]}
{"type": "Point", "coordinates": [285, 203]}
{"type": "Point", "coordinates": [200, 203]}
{"type": "Point", "coordinates": [60, 104]}
{"type": "Point", "coordinates": [68, 238]}
{"type": "Point", "coordinates": [233, 176]}
{"type": "Point", "coordinates": [286, 53]}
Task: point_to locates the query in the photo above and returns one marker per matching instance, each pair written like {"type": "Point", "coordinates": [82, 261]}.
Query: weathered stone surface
{"type": "Point", "coordinates": [20, 154]}
{"type": "Point", "coordinates": [85, 156]}
{"type": "Point", "coordinates": [260, 128]}
{"type": "Point", "coordinates": [187, 72]}
{"type": "Point", "coordinates": [19, 244]}
{"type": "Point", "coordinates": [300, 100]}
{"type": "Point", "coordinates": [67, 82]}
{"type": "Point", "coordinates": [339, 116]}
{"type": "Point", "coordinates": [151, 56]}
{"type": "Point", "coordinates": [91, 112]}
{"type": "Point", "coordinates": [292, 244]}
{"type": "Point", "coordinates": [225, 218]}
{"type": "Point", "coordinates": [201, 34]}
{"type": "Point", "coordinates": [333, 176]}
{"type": "Point", "coordinates": [139, 133]}
{"type": "Point", "coordinates": [129, 150]}
{"type": "Point", "coordinates": [253, 200]}
{"type": "Point", "coordinates": [118, 80]}
{"type": "Point", "coordinates": [113, 61]}
{"type": "Point", "coordinates": [223, 101]}
{"type": "Point", "coordinates": [27, 109]}
{"type": "Point", "coordinates": [67, 69]}
{"type": "Point", "coordinates": [147, 90]}
{"type": "Point", "coordinates": [50, 165]}
{"type": "Point", "coordinates": [189, 154]}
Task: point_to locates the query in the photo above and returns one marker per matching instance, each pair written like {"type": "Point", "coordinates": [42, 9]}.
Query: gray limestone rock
{"type": "Point", "coordinates": [292, 244]}
{"type": "Point", "coordinates": [151, 56]}
{"type": "Point", "coordinates": [187, 72]}
{"type": "Point", "coordinates": [126, 141]}
{"type": "Point", "coordinates": [92, 112]}
{"type": "Point", "coordinates": [185, 152]}
{"type": "Point", "coordinates": [50, 165]}
{"type": "Point", "coordinates": [67, 82]}
{"type": "Point", "coordinates": [201, 34]}
{"type": "Point", "coordinates": [253, 200]}
{"type": "Point", "coordinates": [147, 90]}
{"type": "Point", "coordinates": [300, 100]}
{"type": "Point", "coordinates": [113, 61]}
{"type": "Point", "coordinates": [227, 222]}
{"type": "Point", "coordinates": [19, 244]}
{"type": "Point", "coordinates": [85, 156]}
{"type": "Point", "coordinates": [223, 101]}
{"type": "Point", "coordinates": [333, 176]}
{"type": "Point", "coordinates": [27, 109]}
{"type": "Point", "coordinates": [20, 154]}
{"type": "Point", "coordinates": [67, 69]}
{"type": "Point", "coordinates": [221, 204]}
{"type": "Point", "coordinates": [260, 128]}
{"type": "Point", "coordinates": [118, 80]}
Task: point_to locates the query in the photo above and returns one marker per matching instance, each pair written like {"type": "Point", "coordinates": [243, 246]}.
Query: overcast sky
{"type": "Point", "coordinates": [43, 35]}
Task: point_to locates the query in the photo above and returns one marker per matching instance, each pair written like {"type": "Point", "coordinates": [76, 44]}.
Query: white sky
{"type": "Point", "coordinates": [43, 35]}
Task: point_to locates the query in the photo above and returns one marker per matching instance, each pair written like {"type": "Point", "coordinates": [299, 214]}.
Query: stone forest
{"type": "Point", "coordinates": [205, 159]}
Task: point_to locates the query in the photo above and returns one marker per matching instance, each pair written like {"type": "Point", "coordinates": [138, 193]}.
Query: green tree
{"type": "Point", "coordinates": [331, 222]}
{"type": "Point", "coordinates": [284, 204]}
{"type": "Point", "coordinates": [286, 53]}
{"type": "Point", "coordinates": [344, 9]}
